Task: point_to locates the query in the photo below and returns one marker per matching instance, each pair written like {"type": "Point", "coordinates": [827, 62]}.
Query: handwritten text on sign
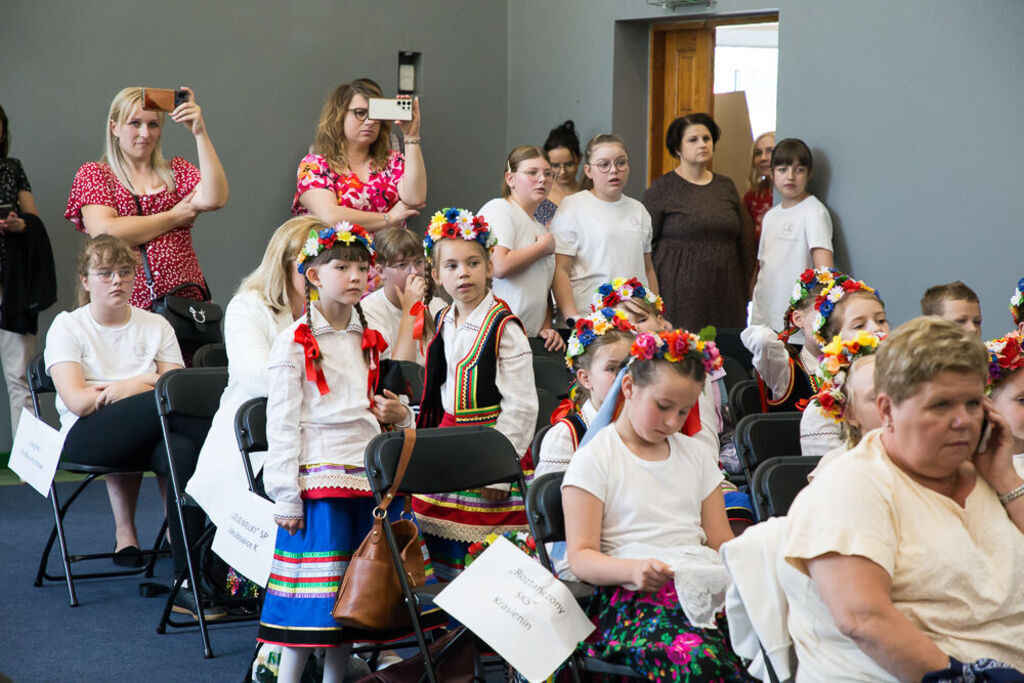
{"type": "Point", "coordinates": [517, 607]}
{"type": "Point", "coordinates": [245, 540]}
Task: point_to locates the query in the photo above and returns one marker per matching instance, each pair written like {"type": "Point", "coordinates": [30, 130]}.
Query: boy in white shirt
{"type": "Point", "coordinates": [796, 233]}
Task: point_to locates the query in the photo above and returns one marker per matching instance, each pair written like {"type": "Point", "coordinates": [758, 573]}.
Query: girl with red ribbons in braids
{"type": "Point", "coordinates": [324, 404]}
{"type": "Point", "coordinates": [479, 372]}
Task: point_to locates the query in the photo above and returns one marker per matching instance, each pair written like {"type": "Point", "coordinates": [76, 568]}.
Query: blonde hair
{"type": "Point", "coordinates": [120, 109]}
{"type": "Point", "coordinates": [852, 433]}
{"type": "Point", "coordinates": [517, 156]}
{"type": "Point", "coordinates": [330, 141]}
{"type": "Point", "coordinates": [98, 251]}
{"type": "Point", "coordinates": [394, 244]}
{"type": "Point", "coordinates": [272, 278]}
{"type": "Point", "coordinates": [918, 351]}
{"type": "Point", "coordinates": [755, 182]}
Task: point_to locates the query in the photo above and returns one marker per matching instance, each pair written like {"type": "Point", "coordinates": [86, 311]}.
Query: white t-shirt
{"type": "Point", "coordinates": [606, 239]}
{"type": "Point", "coordinates": [787, 238]}
{"type": "Point", "coordinates": [652, 503]}
{"type": "Point", "coordinates": [108, 354]}
{"type": "Point", "coordinates": [385, 317]}
{"type": "Point", "coordinates": [527, 293]}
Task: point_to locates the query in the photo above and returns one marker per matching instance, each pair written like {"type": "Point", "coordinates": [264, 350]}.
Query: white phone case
{"type": "Point", "coordinates": [390, 109]}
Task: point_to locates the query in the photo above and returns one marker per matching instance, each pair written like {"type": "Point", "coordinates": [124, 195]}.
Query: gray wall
{"type": "Point", "coordinates": [261, 70]}
{"type": "Point", "coordinates": [912, 109]}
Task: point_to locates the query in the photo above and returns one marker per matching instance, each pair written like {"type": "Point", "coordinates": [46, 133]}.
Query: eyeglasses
{"type": "Point", "coordinates": [566, 166]}
{"type": "Point", "coordinates": [535, 173]}
{"type": "Point", "coordinates": [418, 264]}
{"type": "Point", "coordinates": [361, 113]}
{"type": "Point", "coordinates": [604, 166]}
{"type": "Point", "coordinates": [107, 276]}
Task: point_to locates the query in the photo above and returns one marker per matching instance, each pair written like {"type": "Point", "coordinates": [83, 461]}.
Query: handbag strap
{"type": "Point", "coordinates": [150, 283]}
{"type": "Point", "coordinates": [408, 442]}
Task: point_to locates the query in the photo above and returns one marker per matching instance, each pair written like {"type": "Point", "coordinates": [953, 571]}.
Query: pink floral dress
{"type": "Point", "coordinates": [172, 257]}
{"type": "Point", "coordinates": [378, 194]}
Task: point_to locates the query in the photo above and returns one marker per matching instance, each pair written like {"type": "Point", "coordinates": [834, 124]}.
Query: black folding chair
{"type": "Point", "coordinates": [734, 373]}
{"type": "Point", "coordinates": [547, 525]}
{"type": "Point", "coordinates": [251, 435]}
{"type": "Point", "coordinates": [744, 399]}
{"type": "Point", "coordinates": [538, 439]}
{"type": "Point", "coordinates": [729, 343]}
{"type": "Point", "coordinates": [766, 435]}
{"type": "Point", "coordinates": [546, 404]}
{"type": "Point", "coordinates": [39, 383]}
{"type": "Point", "coordinates": [210, 356]}
{"type": "Point", "coordinates": [442, 461]}
{"type": "Point", "coordinates": [777, 481]}
{"type": "Point", "coordinates": [550, 373]}
{"type": "Point", "coordinates": [187, 400]}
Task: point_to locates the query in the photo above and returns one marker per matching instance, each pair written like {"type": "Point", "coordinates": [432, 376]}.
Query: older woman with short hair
{"type": "Point", "coordinates": [914, 540]}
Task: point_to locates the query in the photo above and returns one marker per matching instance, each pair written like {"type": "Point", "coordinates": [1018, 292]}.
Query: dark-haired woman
{"type": "Point", "coordinates": [563, 150]}
{"type": "Point", "coordinates": [703, 237]}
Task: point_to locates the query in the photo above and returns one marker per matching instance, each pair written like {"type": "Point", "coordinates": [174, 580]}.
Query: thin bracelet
{"type": "Point", "coordinates": [412, 140]}
{"type": "Point", "coordinates": [1013, 495]}
{"type": "Point", "coordinates": [387, 219]}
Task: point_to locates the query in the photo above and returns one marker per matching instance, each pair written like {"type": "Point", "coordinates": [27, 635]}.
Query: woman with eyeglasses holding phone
{"type": "Point", "coordinates": [352, 174]}
{"type": "Point", "coordinates": [524, 258]}
{"type": "Point", "coordinates": [600, 234]}
{"type": "Point", "coordinates": [563, 148]}
{"type": "Point", "coordinates": [703, 236]}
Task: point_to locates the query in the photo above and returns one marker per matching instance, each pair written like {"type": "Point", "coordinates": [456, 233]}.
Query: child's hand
{"type": "Point", "coordinates": [415, 289]}
{"type": "Point", "coordinates": [290, 524]}
{"type": "Point", "coordinates": [493, 495]}
{"type": "Point", "coordinates": [388, 409]}
{"type": "Point", "coordinates": [650, 574]}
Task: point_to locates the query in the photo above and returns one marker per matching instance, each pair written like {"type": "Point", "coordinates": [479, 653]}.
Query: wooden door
{"type": "Point", "coordinates": [682, 79]}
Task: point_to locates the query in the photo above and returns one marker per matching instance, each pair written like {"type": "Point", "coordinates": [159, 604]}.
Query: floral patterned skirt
{"type": "Point", "coordinates": [650, 633]}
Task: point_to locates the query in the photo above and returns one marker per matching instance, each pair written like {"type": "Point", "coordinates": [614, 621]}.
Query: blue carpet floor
{"type": "Point", "coordinates": [112, 635]}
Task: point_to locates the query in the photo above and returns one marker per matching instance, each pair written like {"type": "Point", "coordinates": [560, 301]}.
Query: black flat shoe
{"type": "Point", "coordinates": [129, 556]}
{"type": "Point", "coordinates": [185, 603]}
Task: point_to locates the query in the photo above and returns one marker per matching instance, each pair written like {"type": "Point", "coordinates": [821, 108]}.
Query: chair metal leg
{"type": "Point", "coordinates": [58, 529]}
{"type": "Point", "coordinates": [156, 549]}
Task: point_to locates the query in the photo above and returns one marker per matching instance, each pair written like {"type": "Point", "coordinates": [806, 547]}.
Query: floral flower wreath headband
{"type": "Point", "coordinates": [834, 369]}
{"type": "Point", "coordinates": [589, 328]}
{"type": "Point", "coordinates": [1004, 358]}
{"type": "Point", "coordinates": [809, 281]}
{"type": "Point", "coordinates": [621, 290]}
{"type": "Point", "coordinates": [834, 288]}
{"type": "Point", "coordinates": [452, 224]}
{"type": "Point", "coordinates": [675, 345]}
{"type": "Point", "coordinates": [1017, 303]}
{"type": "Point", "coordinates": [343, 232]}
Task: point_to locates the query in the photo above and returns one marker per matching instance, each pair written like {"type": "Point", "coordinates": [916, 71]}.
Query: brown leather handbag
{"type": "Point", "coordinates": [370, 595]}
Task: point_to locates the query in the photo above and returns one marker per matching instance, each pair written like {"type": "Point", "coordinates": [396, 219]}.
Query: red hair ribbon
{"type": "Point", "coordinates": [419, 316]}
{"type": "Point", "coordinates": [692, 424]}
{"type": "Point", "coordinates": [801, 405]}
{"type": "Point", "coordinates": [564, 408]}
{"type": "Point", "coordinates": [375, 343]}
{"type": "Point", "coordinates": [311, 351]}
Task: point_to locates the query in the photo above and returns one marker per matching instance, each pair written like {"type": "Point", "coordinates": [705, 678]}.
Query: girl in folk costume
{"type": "Point", "coordinates": [479, 372]}
{"type": "Point", "coordinates": [324, 405]}
{"type": "Point", "coordinates": [1006, 386]}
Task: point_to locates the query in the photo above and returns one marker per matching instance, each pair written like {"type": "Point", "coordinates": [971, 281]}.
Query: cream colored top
{"type": "Point", "coordinates": [957, 573]}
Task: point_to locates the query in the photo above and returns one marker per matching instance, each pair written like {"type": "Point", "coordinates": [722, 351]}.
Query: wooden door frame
{"type": "Point", "coordinates": [656, 66]}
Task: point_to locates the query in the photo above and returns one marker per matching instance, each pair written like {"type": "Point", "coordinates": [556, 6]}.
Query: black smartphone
{"type": "Point", "coordinates": [986, 432]}
{"type": "Point", "coordinates": [5, 209]}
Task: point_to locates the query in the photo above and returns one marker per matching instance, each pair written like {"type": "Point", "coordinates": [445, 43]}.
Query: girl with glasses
{"type": "Point", "coordinates": [563, 150]}
{"type": "Point", "coordinates": [600, 234]}
{"type": "Point", "coordinates": [524, 258]}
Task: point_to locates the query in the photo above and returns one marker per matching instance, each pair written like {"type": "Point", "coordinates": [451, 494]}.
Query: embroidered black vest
{"type": "Point", "coordinates": [801, 387]}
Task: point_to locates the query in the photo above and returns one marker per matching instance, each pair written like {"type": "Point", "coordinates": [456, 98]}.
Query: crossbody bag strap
{"type": "Point", "coordinates": [408, 442]}
{"type": "Point", "coordinates": [145, 257]}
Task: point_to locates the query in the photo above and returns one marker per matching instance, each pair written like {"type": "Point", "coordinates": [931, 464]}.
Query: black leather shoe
{"type": "Point", "coordinates": [185, 603]}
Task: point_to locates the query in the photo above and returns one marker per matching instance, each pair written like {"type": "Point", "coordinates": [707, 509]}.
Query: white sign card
{"type": "Point", "coordinates": [518, 608]}
{"type": "Point", "coordinates": [36, 452]}
{"type": "Point", "coordinates": [245, 538]}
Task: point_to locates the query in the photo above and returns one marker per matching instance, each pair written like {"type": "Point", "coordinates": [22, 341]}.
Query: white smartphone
{"type": "Point", "coordinates": [390, 108]}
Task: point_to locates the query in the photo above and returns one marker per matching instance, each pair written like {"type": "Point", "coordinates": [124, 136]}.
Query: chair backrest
{"type": "Point", "coordinates": [444, 460]}
{"type": "Point", "coordinates": [728, 341]}
{"type": "Point", "coordinates": [734, 373]}
{"type": "Point", "coordinates": [251, 433]}
{"type": "Point", "coordinates": [778, 480]}
{"type": "Point", "coordinates": [767, 435]}
{"type": "Point", "coordinates": [544, 513]}
{"type": "Point", "coordinates": [413, 373]}
{"type": "Point", "coordinates": [210, 356]}
{"type": "Point", "coordinates": [744, 399]}
{"type": "Point", "coordinates": [546, 404]}
{"type": "Point", "coordinates": [38, 381]}
{"type": "Point", "coordinates": [538, 439]}
{"type": "Point", "coordinates": [550, 373]}
{"type": "Point", "coordinates": [190, 392]}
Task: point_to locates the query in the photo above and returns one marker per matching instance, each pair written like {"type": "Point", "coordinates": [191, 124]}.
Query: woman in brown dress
{"type": "Point", "coordinates": [703, 238]}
